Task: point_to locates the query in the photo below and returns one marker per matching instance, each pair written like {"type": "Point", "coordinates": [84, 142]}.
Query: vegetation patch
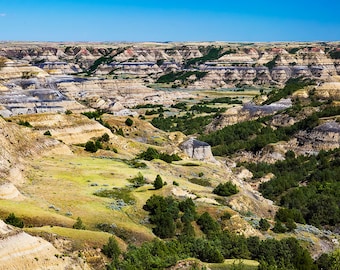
{"type": "Point", "coordinates": [190, 164]}
{"type": "Point", "coordinates": [14, 221]}
{"type": "Point", "coordinates": [200, 181]}
{"type": "Point", "coordinates": [123, 194]}
{"type": "Point", "coordinates": [24, 123]}
{"type": "Point", "coordinates": [169, 216]}
{"type": "Point", "coordinates": [137, 181]}
{"type": "Point", "coordinates": [226, 100]}
{"type": "Point", "coordinates": [226, 189]}
{"type": "Point", "coordinates": [292, 85]}
{"type": "Point", "coordinates": [210, 54]}
{"type": "Point", "coordinates": [152, 153]}
{"type": "Point", "coordinates": [181, 76]}
{"type": "Point", "coordinates": [188, 123]}
{"type": "Point", "coordinates": [335, 54]}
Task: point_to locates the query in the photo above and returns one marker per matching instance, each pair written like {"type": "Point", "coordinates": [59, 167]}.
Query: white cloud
{"type": "Point", "coordinates": [2, 14]}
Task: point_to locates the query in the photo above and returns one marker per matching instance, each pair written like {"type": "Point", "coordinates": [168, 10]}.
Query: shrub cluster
{"type": "Point", "coordinates": [152, 153]}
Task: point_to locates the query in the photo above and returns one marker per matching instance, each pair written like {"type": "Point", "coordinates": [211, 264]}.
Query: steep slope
{"type": "Point", "coordinates": [18, 144]}
{"type": "Point", "coordinates": [19, 250]}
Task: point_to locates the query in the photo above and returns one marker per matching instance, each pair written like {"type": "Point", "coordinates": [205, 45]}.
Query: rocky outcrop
{"type": "Point", "coordinates": [9, 192]}
{"type": "Point", "coordinates": [330, 90]}
{"type": "Point", "coordinates": [324, 137]}
{"type": "Point", "coordinates": [197, 150]}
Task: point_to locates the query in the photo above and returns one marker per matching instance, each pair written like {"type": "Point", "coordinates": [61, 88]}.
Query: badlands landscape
{"type": "Point", "coordinates": [169, 155]}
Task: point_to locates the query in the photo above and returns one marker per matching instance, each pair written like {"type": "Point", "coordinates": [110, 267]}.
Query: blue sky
{"type": "Point", "coordinates": [213, 20]}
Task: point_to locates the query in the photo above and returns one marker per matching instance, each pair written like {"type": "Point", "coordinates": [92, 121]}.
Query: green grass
{"type": "Point", "coordinates": [68, 183]}
{"type": "Point", "coordinates": [93, 238]}
{"type": "Point", "coordinates": [33, 213]}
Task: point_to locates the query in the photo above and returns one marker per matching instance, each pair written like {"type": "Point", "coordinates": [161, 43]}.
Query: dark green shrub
{"type": "Point", "coordinates": [279, 227]}
{"type": "Point", "coordinates": [120, 132]}
{"type": "Point", "coordinates": [264, 225]}
{"type": "Point", "coordinates": [98, 144]}
{"type": "Point", "coordinates": [68, 112]}
{"type": "Point", "coordinates": [284, 214]}
{"type": "Point", "coordinates": [14, 221]}
{"type": "Point", "coordinates": [225, 189]}
{"type": "Point", "coordinates": [200, 181]}
{"type": "Point", "coordinates": [90, 146]}
{"type": "Point", "coordinates": [152, 153]}
{"type": "Point", "coordinates": [136, 164]}
{"type": "Point", "coordinates": [47, 133]}
{"type": "Point", "coordinates": [24, 123]}
{"type": "Point", "coordinates": [129, 122]}
{"type": "Point", "coordinates": [290, 224]}
{"type": "Point", "coordinates": [149, 154]}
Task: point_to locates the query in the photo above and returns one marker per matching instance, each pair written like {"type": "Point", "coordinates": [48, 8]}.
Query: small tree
{"type": "Point", "coordinates": [158, 184]}
{"type": "Point", "coordinates": [91, 147]}
{"type": "Point", "coordinates": [129, 122]}
{"type": "Point", "coordinates": [264, 224]}
{"type": "Point", "coordinates": [111, 249]}
{"type": "Point", "coordinates": [79, 224]}
{"type": "Point", "coordinates": [14, 221]}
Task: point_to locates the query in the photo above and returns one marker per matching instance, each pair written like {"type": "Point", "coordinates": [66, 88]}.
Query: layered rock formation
{"type": "Point", "coordinates": [238, 64]}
